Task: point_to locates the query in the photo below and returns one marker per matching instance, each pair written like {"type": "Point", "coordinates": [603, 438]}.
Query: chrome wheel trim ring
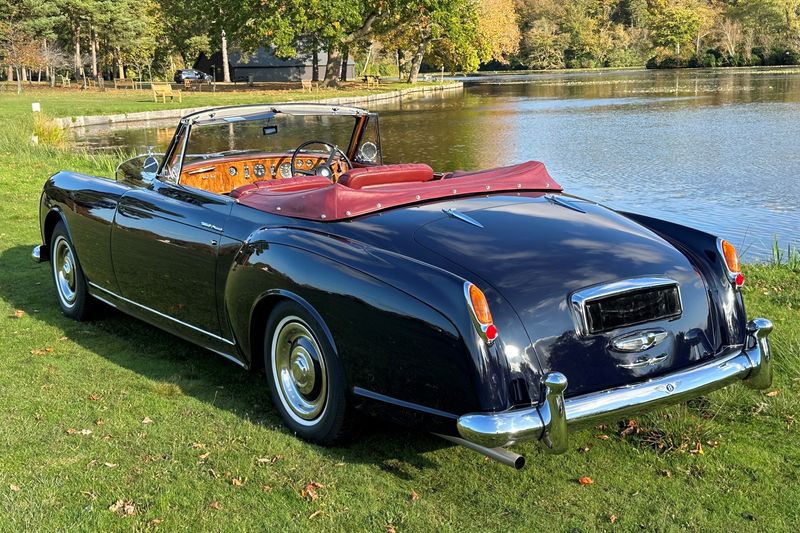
{"type": "Point", "coordinates": [299, 371]}
{"type": "Point", "coordinates": [65, 271]}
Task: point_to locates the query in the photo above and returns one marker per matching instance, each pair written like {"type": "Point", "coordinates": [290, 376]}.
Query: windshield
{"type": "Point", "coordinates": [259, 141]}
{"type": "Point", "coordinates": [277, 134]}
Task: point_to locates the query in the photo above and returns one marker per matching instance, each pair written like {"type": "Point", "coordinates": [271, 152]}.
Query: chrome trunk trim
{"type": "Point", "coordinates": [547, 422]}
{"type": "Point", "coordinates": [579, 299]}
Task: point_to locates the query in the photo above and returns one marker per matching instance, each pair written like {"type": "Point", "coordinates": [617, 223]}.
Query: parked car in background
{"type": "Point", "coordinates": [488, 307]}
{"type": "Point", "coordinates": [190, 74]}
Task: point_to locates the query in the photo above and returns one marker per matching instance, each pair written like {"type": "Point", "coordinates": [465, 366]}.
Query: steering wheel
{"type": "Point", "coordinates": [325, 169]}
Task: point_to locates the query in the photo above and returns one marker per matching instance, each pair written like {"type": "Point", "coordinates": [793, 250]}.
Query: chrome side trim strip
{"type": "Point", "coordinates": [548, 421]}
{"type": "Point", "coordinates": [159, 313]}
{"type": "Point", "coordinates": [358, 391]}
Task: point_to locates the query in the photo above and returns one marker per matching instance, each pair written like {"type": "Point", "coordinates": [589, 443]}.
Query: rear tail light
{"type": "Point", "coordinates": [481, 315]}
{"type": "Point", "coordinates": [732, 262]}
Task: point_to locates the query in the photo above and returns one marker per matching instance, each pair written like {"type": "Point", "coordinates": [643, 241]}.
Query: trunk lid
{"type": "Point", "coordinates": [538, 251]}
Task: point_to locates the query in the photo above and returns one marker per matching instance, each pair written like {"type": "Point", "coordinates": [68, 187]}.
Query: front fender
{"type": "Point", "coordinates": [401, 327]}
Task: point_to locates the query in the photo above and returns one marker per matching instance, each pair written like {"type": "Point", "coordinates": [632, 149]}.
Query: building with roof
{"type": "Point", "coordinates": [263, 65]}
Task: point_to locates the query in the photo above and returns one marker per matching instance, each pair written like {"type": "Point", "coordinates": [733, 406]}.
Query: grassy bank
{"type": "Point", "coordinates": [113, 425]}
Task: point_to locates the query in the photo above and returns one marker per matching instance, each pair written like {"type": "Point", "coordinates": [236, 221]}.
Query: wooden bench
{"type": "Point", "coordinates": [372, 80]}
{"type": "Point", "coordinates": [164, 90]}
{"type": "Point", "coordinates": [309, 85]}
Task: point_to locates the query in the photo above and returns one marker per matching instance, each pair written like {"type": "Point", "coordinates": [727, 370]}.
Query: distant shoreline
{"type": "Point", "coordinates": [488, 73]}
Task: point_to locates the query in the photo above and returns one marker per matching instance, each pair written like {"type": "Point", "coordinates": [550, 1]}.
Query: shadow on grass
{"type": "Point", "coordinates": [164, 358]}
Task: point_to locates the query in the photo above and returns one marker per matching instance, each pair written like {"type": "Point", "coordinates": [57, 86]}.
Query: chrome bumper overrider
{"type": "Point", "coordinates": [36, 254]}
{"type": "Point", "coordinates": [548, 422]}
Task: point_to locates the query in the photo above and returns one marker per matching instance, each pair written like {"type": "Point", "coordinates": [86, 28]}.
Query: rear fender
{"type": "Point", "coordinates": [702, 250]}
{"type": "Point", "coordinates": [400, 326]}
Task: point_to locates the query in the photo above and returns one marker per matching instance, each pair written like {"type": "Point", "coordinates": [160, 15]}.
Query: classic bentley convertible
{"type": "Point", "coordinates": [488, 307]}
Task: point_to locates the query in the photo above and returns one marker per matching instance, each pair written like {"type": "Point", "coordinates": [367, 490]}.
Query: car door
{"type": "Point", "coordinates": [164, 247]}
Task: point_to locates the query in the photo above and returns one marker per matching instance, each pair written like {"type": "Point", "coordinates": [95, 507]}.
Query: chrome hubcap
{"type": "Point", "coordinates": [298, 369]}
{"type": "Point", "coordinates": [65, 271]}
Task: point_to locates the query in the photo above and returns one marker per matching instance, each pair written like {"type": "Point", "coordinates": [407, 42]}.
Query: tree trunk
{"type": "Point", "coordinates": [416, 61]}
{"type": "Point", "coordinates": [345, 57]}
{"type": "Point", "coordinates": [334, 67]}
{"type": "Point", "coordinates": [77, 56]}
{"type": "Point", "coordinates": [10, 73]}
{"type": "Point", "coordinates": [19, 81]}
{"type": "Point", "coordinates": [24, 72]}
{"type": "Point", "coordinates": [315, 63]}
{"type": "Point", "coordinates": [93, 43]}
{"type": "Point", "coordinates": [120, 66]}
{"type": "Point", "coordinates": [226, 69]}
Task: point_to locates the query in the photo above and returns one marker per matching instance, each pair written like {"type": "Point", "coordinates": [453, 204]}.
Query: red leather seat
{"type": "Point", "coordinates": [282, 185]}
{"type": "Point", "coordinates": [359, 178]}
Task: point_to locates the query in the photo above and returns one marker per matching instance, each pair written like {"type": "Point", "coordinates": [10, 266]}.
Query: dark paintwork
{"type": "Point", "coordinates": [388, 287]}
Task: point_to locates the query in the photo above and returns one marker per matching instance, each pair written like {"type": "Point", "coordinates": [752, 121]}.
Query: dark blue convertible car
{"type": "Point", "coordinates": [488, 307]}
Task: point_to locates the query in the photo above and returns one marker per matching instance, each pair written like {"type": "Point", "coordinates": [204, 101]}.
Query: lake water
{"type": "Point", "coordinates": [717, 150]}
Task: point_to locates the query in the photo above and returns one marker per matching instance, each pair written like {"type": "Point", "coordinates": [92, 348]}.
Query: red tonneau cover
{"type": "Point", "coordinates": [316, 198]}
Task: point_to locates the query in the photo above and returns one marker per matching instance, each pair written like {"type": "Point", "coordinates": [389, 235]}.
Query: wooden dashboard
{"type": "Point", "coordinates": [222, 175]}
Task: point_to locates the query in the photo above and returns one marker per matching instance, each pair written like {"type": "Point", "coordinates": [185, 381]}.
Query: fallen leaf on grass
{"type": "Point", "coordinates": [309, 492]}
{"type": "Point", "coordinates": [214, 505]}
{"type": "Point", "coordinates": [390, 529]}
{"type": "Point", "coordinates": [63, 338]}
{"type": "Point", "coordinates": [88, 494]}
{"type": "Point", "coordinates": [198, 445]}
{"type": "Point", "coordinates": [94, 397]}
{"type": "Point", "coordinates": [19, 313]}
{"type": "Point", "coordinates": [612, 518]}
{"type": "Point", "coordinates": [585, 480]}
{"type": "Point", "coordinates": [49, 349]}
{"type": "Point", "coordinates": [147, 420]}
{"type": "Point", "coordinates": [584, 449]}
{"type": "Point", "coordinates": [602, 437]}
{"type": "Point", "coordinates": [414, 496]}
{"type": "Point", "coordinates": [236, 481]}
{"type": "Point", "coordinates": [271, 460]}
{"type": "Point", "coordinates": [110, 465]}
{"type": "Point", "coordinates": [315, 514]}
{"type": "Point", "coordinates": [14, 488]}
{"type": "Point", "coordinates": [37, 352]}
{"type": "Point", "coordinates": [698, 449]}
{"type": "Point", "coordinates": [73, 431]}
{"type": "Point", "coordinates": [713, 443]}
{"type": "Point", "coordinates": [99, 422]}
{"type": "Point", "coordinates": [156, 521]}
{"type": "Point", "coordinates": [631, 427]}
{"type": "Point", "coordinates": [666, 473]}
{"type": "Point", "coordinates": [266, 488]}
{"type": "Point", "coordinates": [123, 507]}
{"type": "Point", "coordinates": [772, 393]}
{"type": "Point", "coordinates": [204, 455]}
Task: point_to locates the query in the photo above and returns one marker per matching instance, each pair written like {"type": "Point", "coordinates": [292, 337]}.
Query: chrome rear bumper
{"type": "Point", "coordinates": [548, 422]}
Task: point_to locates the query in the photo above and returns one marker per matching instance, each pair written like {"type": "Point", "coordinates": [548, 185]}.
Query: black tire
{"type": "Point", "coordinates": [70, 285]}
{"type": "Point", "coordinates": [298, 400]}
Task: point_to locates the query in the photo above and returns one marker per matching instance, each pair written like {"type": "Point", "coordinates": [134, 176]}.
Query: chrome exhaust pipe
{"type": "Point", "coordinates": [501, 455]}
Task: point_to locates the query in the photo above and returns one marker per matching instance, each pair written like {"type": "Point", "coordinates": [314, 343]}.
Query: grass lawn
{"type": "Point", "coordinates": [114, 425]}
{"type": "Point", "coordinates": [74, 102]}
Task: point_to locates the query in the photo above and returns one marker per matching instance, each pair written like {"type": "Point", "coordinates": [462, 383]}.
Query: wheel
{"type": "Point", "coordinates": [305, 376]}
{"type": "Point", "coordinates": [75, 301]}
